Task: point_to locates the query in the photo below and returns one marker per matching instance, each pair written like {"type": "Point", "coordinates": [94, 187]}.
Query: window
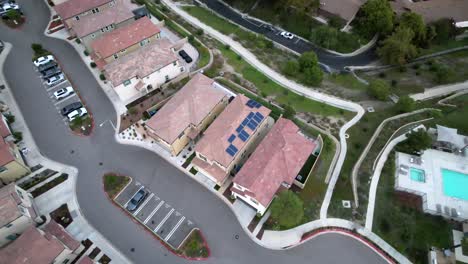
{"type": "Point", "coordinates": [253, 200]}
{"type": "Point", "coordinates": [127, 82]}
{"type": "Point", "coordinates": [201, 157]}
{"type": "Point", "coordinates": [124, 50]}
{"type": "Point", "coordinates": [77, 17]}
{"type": "Point", "coordinates": [181, 69]}
{"type": "Point", "coordinates": [102, 30]}
{"type": "Point", "coordinates": [95, 10]}
{"type": "Point", "coordinates": [93, 35]}
{"type": "Point", "coordinates": [174, 63]}
{"type": "Point", "coordinates": [20, 194]}
{"type": "Point", "coordinates": [2, 169]}
{"type": "Point", "coordinates": [116, 56]}
{"type": "Point", "coordinates": [166, 77]}
{"type": "Point", "coordinates": [9, 225]}
{"type": "Point", "coordinates": [112, 3]}
{"type": "Point", "coordinates": [65, 261]}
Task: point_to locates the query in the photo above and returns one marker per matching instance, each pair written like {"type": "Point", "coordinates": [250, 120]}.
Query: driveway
{"type": "Point", "coordinates": [332, 60]}
{"type": "Point", "coordinates": [100, 153]}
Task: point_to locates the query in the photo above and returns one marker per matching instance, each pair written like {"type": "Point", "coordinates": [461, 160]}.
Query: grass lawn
{"type": "Point", "coordinates": [410, 231]}
{"type": "Point", "coordinates": [114, 183]}
{"type": "Point", "coordinates": [347, 80]}
{"type": "Point", "coordinates": [194, 246]}
{"type": "Point", "coordinates": [465, 247]}
{"type": "Point", "coordinates": [456, 117]}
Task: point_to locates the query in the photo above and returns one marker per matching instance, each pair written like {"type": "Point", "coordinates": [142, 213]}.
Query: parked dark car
{"type": "Point", "coordinates": [71, 107]}
{"type": "Point", "coordinates": [47, 66]}
{"type": "Point", "coordinates": [185, 56]}
{"type": "Point", "coordinates": [50, 72]}
{"type": "Point", "coordinates": [136, 200]}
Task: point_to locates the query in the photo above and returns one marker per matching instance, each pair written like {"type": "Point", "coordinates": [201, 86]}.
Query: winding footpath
{"type": "Point", "coordinates": [100, 153]}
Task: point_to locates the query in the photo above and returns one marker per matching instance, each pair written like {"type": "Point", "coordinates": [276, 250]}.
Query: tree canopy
{"type": "Point", "coordinates": [287, 209]}
{"type": "Point", "coordinates": [379, 89]}
{"type": "Point", "coordinates": [416, 141]}
{"type": "Point", "coordinates": [376, 16]}
{"type": "Point", "coordinates": [398, 48]}
{"type": "Point", "coordinates": [405, 104]}
{"type": "Point", "coordinates": [291, 68]}
{"type": "Point", "coordinates": [416, 24]}
{"type": "Point", "coordinates": [308, 59]}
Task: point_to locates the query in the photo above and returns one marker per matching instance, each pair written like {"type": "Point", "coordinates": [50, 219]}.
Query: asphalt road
{"type": "Point", "coordinates": [333, 61]}
{"type": "Point", "coordinates": [215, 219]}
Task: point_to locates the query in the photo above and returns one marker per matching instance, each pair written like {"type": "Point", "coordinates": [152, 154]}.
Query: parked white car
{"type": "Point", "coordinates": [56, 79]}
{"type": "Point", "coordinates": [287, 35]}
{"type": "Point", "coordinates": [62, 93]}
{"type": "Point", "coordinates": [43, 60]}
{"type": "Point", "coordinates": [77, 113]}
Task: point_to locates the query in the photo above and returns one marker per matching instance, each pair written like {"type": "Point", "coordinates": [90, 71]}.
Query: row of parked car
{"type": "Point", "coordinates": [8, 5]}
{"type": "Point", "coordinates": [53, 75]}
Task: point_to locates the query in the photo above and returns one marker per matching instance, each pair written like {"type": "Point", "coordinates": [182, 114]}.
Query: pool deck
{"type": "Point", "coordinates": [434, 199]}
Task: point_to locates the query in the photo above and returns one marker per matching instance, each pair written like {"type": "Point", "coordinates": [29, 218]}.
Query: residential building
{"type": "Point", "coordinates": [93, 27]}
{"type": "Point", "coordinates": [51, 245]}
{"type": "Point", "coordinates": [187, 113]}
{"type": "Point", "coordinates": [230, 138]}
{"type": "Point", "coordinates": [135, 74]}
{"type": "Point", "coordinates": [274, 164]}
{"type": "Point", "coordinates": [73, 10]}
{"type": "Point", "coordinates": [17, 212]}
{"type": "Point", "coordinates": [124, 40]}
{"type": "Point", "coordinates": [434, 10]}
{"type": "Point", "coordinates": [12, 165]}
{"type": "Point", "coordinates": [346, 9]}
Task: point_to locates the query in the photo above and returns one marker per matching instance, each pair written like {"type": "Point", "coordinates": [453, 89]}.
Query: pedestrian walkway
{"type": "Point", "coordinates": [439, 91]}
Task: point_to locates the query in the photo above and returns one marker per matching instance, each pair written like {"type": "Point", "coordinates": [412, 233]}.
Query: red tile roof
{"type": "Point", "coordinates": [124, 37]}
{"type": "Point", "coordinates": [345, 9]}
{"type": "Point", "coordinates": [85, 260]}
{"type": "Point", "coordinates": [214, 142]}
{"type": "Point", "coordinates": [9, 202]}
{"type": "Point", "coordinates": [5, 153]}
{"type": "Point", "coordinates": [141, 62]}
{"type": "Point", "coordinates": [434, 10]}
{"type": "Point", "coordinates": [122, 11]}
{"type": "Point", "coordinates": [4, 129]}
{"type": "Point", "coordinates": [32, 247]}
{"type": "Point", "coordinates": [72, 8]}
{"type": "Point", "coordinates": [277, 159]}
{"type": "Point", "coordinates": [59, 232]}
{"type": "Point", "coordinates": [189, 106]}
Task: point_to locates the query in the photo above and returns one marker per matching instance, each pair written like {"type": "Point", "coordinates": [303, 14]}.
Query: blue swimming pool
{"type": "Point", "coordinates": [417, 175]}
{"type": "Point", "coordinates": [455, 184]}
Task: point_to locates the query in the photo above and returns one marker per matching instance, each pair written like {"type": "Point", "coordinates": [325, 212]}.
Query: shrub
{"type": "Point", "coordinates": [102, 77]}
{"type": "Point", "coordinates": [291, 68]}
{"type": "Point", "coordinates": [444, 75]}
{"type": "Point", "coordinates": [92, 64]}
{"type": "Point", "coordinates": [336, 22]}
{"type": "Point", "coordinates": [394, 83]}
{"type": "Point", "coordinates": [382, 75]}
{"type": "Point", "coordinates": [379, 89]}
{"type": "Point", "coordinates": [416, 66]}
{"type": "Point", "coordinates": [190, 38]}
{"type": "Point", "coordinates": [227, 47]}
{"type": "Point", "coordinates": [132, 111]}
{"type": "Point", "coordinates": [199, 32]}
{"type": "Point", "coordinates": [86, 53]}
{"type": "Point", "coordinates": [18, 136]}
{"type": "Point", "coordinates": [10, 118]}
{"type": "Point", "coordinates": [405, 104]}
{"type": "Point", "coordinates": [78, 41]}
{"type": "Point", "coordinates": [36, 47]}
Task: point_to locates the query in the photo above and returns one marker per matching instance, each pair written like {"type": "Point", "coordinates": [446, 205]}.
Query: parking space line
{"type": "Point", "coordinates": [132, 196]}
{"type": "Point", "coordinates": [50, 88]}
{"type": "Point", "coordinates": [63, 100]}
{"type": "Point", "coordinates": [278, 32]}
{"type": "Point", "coordinates": [144, 203]}
{"type": "Point", "coordinates": [298, 39]}
{"type": "Point", "coordinates": [164, 220]}
{"type": "Point", "coordinates": [175, 228]}
{"type": "Point", "coordinates": [152, 213]}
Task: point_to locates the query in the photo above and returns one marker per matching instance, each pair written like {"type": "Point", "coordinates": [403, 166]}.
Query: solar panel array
{"type": "Point", "coordinates": [251, 121]}
{"type": "Point", "coordinates": [253, 104]}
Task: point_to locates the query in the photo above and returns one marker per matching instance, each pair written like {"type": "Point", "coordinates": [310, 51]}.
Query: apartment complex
{"type": "Point", "coordinates": [12, 165]}
{"type": "Point", "coordinates": [74, 10]}
{"type": "Point", "coordinates": [230, 138]}
{"type": "Point", "coordinates": [124, 40]}
{"type": "Point", "coordinates": [17, 212]}
{"type": "Point", "coordinates": [273, 165]}
{"type": "Point", "coordinates": [189, 112]}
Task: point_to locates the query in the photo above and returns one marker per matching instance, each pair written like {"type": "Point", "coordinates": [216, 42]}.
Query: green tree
{"type": "Point", "coordinates": [313, 75]}
{"type": "Point", "coordinates": [405, 104]}
{"type": "Point", "coordinates": [13, 14]}
{"type": "Point", "coordinates": [415, 142]}
{"type": "Point", "coordinates": [416, 23]}
{"type": "Point", "coordinates": [443, 74]}
{"type": "Point", "coordinates": [376, 16]}
{"type": "Point", "coordinates": [308, 59]}
{"type": "Point", "coordinates": [289, 112]}
{"type": "Point", "coordinates": [287, 209]}
{"type": "Point", "coordinates": [379, 89]}
{"type": "Point", "coordinates": [398, 48]}
{"type": "Point", "coordinates": [325, 36]}
{"type": "Point", "coordinates": [291, 68]}
{"type": "Point", "coordinates": [445, 30]}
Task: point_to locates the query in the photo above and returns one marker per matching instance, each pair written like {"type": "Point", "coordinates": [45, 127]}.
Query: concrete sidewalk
{"type": "Point", "coordinates": [439, 91]}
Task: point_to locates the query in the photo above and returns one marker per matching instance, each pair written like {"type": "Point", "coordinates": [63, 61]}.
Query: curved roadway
{"type": "Point", "coordinates": [332, 60]}
{"type": "Point", "coordinates": [215, 219]}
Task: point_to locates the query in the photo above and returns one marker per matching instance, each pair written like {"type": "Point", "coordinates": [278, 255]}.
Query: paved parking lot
{"type": "Point", "coordinates": [157, 215]}
{"type": "Point", "coordinates": [59, 104]}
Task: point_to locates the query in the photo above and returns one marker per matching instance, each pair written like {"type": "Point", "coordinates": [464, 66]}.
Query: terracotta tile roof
{"type": "Point", "coordinates": [122, 11]}
{"type": "Point", "coordinates": [346, 9]}
{"type": "Point", "coordinates": [5, 153]}
{"type": "Point", "coordinates": [124, 37]}
{"type": "Point", "coordinates": [59, 232]}
{"type": "Point", "coordinates": [9, 202]}
{"type": "Point", "coordinates": [434, 10]}
{"type": "Point", "coordinates": [72, 8]}
{"type": "Point", "coordinates": [189, 106]}
{"type": "Point", "coordinates": [214, 142]}
{"type": "Point", "coordinates": [141, 62]}
{"type": "Point", "coordinates": [4, 129]}
{"type": "Point", "coordinates": [32, 247]}
{"type": "Point", "coordinates": [216, 172]}
{"type": "Point", "coordinates": [277, 159]}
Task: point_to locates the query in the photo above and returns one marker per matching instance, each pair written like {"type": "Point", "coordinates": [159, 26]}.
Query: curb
{"type": "Point", "coordinates": [140, 225]}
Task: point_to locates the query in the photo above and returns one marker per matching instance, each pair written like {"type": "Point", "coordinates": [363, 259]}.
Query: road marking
{"type": "Point", "coordinates": [132, 196]}
{"type": "Point", "coordinates": [51, 88]}
{"type": "Point", "coordinates": [164, 220]}
{"type": "Point", "coordinates": [278, 32]}
{"type": "Point", "coordinates": [152, 213]}
{"type": "Point", "coordinates": [175, 228]}
{"type": "Point", "coordinates": [298, 39]}
{"type": "Point", "coordinates": [144, 203]}
{"type": "Point", "coordinates": [63, 100]}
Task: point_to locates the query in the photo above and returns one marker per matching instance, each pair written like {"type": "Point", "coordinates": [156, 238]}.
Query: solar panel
{"type": "Point", "coordinates": [246, 120]}
{"type": "Point", "coordinates": [251, 114]}
{"type": "Point", "coordinates": [243, 137]}
{"type": "Point", "coordinates": [231, 138]}
{"type": "Point", "coordinates": [250, 103]}
{"type": "Point", "coordinates": [259, 115]}
{"type": "Point", "coordinates": [257, 118]}
{"type": "Point", "coordinates": [233, 148]}
{"type": "Point", "coordinates": [244, 134]}
{"type": "Point", "coordinates": [230, 152]}
{"type": "Point", "coordinates": [257, 105]}
{"type": "Point", "coordinates": [252, 125]}
{"type": "Point", "coordinates": [239, 129]}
